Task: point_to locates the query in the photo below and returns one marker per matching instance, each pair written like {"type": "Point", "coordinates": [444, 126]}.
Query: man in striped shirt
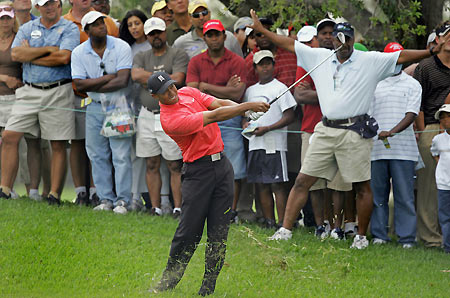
{"type": "Point", "coordinates": [395, 106]}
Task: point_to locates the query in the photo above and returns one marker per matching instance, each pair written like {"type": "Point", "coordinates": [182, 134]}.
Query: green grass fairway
{"type": "Point", "coordinates": [73, 251]}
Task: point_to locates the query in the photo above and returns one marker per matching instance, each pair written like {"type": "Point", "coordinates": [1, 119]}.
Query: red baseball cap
{"type": "Point", "coordinates": [213, 25]}
{"type": "Point", "coordinates": [393, 47]}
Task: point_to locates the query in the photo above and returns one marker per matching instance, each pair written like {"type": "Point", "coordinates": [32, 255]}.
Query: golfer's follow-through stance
{"type": "Point", "coordinates": [189, 117]}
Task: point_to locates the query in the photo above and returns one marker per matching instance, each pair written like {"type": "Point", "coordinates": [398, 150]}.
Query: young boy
{"type": "Point", "coordinates": [267, 166]}
{"type": "Point", "coordinates": [440, 149]}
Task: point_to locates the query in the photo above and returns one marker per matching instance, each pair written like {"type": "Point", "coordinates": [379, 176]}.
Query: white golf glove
{"type": "Point", "coordinates": [253, 115]}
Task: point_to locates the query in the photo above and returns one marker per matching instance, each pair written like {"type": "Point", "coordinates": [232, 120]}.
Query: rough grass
{"type": "Point", "coordinates": [73, 251]}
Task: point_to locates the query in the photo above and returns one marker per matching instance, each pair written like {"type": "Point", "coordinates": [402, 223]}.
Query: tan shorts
{"type": "Point", "coordinates": [151, 140]}
{"type": "Point", "coordinates": [334, 148]}
{"type": "Point", "coordinates": [6, 104]}
{"type": "Point", "coordinates": [49, 112]}
{"type": "Point", "coordinates": [336, 184]}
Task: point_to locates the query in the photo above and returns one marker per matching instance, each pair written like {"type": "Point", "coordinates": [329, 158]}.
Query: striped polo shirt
{"type": "Point", "coordinates": [434, 77]}
{"type": "Point", "coordinates": [394, 97]}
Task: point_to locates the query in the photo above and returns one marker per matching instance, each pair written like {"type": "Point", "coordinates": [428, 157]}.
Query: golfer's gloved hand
{"type": "Point", "coordinates": [253, 115]}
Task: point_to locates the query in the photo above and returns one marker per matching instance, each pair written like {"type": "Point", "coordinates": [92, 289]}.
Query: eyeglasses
{"type": "Point", "coordinates": [102, 66]}
{"type": "Point", "coordinates": [259, 34]}
{"type": "Point", "coordinates": [100, 2]}
{"type": "Point", "coordinates": [196, 15]}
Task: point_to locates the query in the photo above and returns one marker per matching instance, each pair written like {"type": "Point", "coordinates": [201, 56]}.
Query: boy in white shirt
{"type": "Point", "coordinates": [440, 149]}
{"type": "Point", "coordinates": [267, 166]}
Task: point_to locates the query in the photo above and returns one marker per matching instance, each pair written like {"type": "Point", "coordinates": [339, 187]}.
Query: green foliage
{"type": "Point", "coordinates": [396, 20]}
{"type": "Point", "coordinates": [74, 251]}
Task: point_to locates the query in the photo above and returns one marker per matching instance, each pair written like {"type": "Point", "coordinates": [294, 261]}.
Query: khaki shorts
{"type": "Point", "coordinates": [6, 104]}
{"type": "Point", "coordinates": [334, 149]}
{"type": "Point", "coordinates": [336, 184]}
{"type": "Point", "coordinates": [151, 140]}
{"type": "Point", "coordinates": [49, 112]}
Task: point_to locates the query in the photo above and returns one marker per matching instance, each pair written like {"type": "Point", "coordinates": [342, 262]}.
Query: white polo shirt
{"type": "Point", "coordinates": [440, 146]}
{"type": "Point", "coordinates": [394, 97]}
{"type": "Point", "coordinates": [345, 90]}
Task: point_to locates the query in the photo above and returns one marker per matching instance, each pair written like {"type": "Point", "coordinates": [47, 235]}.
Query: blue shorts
{"type": "Point", "coordinates": [267, 168]}
{"type": "Point", "coordinates": [234, 145]}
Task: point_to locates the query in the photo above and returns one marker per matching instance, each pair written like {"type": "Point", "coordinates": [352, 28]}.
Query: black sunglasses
{"type": "Point", "coordinates": [259, 34]}
{"type": "Point", "coordinates": [102, 66]}
{"type": "Point", "coordinates": [196, 15]}
{"type": "Point", "coordinates": [155, 32]}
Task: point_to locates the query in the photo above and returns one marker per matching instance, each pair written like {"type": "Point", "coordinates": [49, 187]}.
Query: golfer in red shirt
{"type": "Point", "coordinates": [189, 117]}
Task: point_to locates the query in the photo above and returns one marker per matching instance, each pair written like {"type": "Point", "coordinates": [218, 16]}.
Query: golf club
{"type": "Point", "coordinates": [341, 38]}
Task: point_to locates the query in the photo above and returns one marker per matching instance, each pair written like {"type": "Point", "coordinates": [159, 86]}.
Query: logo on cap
{"type": "Point", "coordinates": [161, 78]}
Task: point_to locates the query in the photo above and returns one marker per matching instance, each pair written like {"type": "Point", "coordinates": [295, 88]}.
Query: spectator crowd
{"type": "Point", "coordinates": [60, 74]}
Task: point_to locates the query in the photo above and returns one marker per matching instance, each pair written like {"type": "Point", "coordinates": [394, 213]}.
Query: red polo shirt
{"type": "Point", "coordinates": [285, 67]}
{"type": "Point", "coordinates": [202, 69]}
{"type": "Point", "coordinates": [183, 122]}
{"type": "Point", "coordinates": [311, 113]}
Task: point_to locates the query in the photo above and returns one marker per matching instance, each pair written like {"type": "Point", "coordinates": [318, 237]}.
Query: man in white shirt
{"type": "Point", "coordinates": [394, 155]}
{"type": "Point", "coordinates": [345, 92]}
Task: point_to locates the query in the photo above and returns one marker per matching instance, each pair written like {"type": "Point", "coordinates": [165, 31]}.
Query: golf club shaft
{"type": "Point", "coordinates": [307, 74]}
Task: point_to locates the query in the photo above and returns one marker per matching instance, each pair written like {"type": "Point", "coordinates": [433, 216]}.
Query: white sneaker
{"type": "Point", "coordinates": [407, 245]}
{"type": "Point", "coordinates": [350, 229]}
{"type": "Point", "coordinates": [105, 205]}
{"type": "Point", "coordinates": [337, 234]}
{"type": "Point", "coordinates": [378, 241]}
{"type": "Point", "coordinates": [36, 197]}
{"type": "Point", "coordinates": [281, 234]}
{"type": "Point", "coordinates": [120, 210]}
{"type": "Point", "coordinates": [360, 242]}
{"type": "Point", "coordinates": [14, 194]}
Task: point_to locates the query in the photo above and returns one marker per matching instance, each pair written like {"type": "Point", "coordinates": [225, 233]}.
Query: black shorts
{"type": "Point", "coordinates": [267, 168]}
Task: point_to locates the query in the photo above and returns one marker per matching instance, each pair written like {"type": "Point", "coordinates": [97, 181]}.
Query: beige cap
{"type": "Point", "coordinates": [258, 56]}
{"type": "Point", "coordinates": [194, 4]}
{"type": "Point", "coordinates": [157, 6]}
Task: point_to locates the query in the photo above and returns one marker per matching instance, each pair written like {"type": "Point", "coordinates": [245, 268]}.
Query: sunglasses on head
{"type": "Point", "coordinates": [196, 15]}
{"type": "Point", "coordinates": [344, 27]}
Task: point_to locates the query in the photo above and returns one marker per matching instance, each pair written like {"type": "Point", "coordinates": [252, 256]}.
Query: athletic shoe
{"type": "Point", "coordinates": [14, 195]}
{"type": "Point", "coordinates": [136, 205]}
{"type": "Point", "coordinates": [176, 214]}
{"type": "Point", "coordinates": [360, 242]}
{"type": "Point", "coordinates": [105, 205]}
{"type": "Point", "coordinates": [337, 234]}
{"type": "Point", "coordinates": [36, 197]}
{"type": "Point", "coordinates": [95, 201]}
{"type": "Point", "coordinates": [3, 195]}
{"type": "Point", "coordinates": [234, 217]}
{"type": "Point", "coordinates": [121, 207]}
{"type": "Point", "coordinates": [51, 200]}
{"type": "Point", "coordinates": [269, 223]}
{"type": "Point", "coordinates": [82, 199]}
{"type": "Point", "coordinates": [350, 229]}
{"type": "Point", "coordinates": [378, 241]}
{"type": "Point", "coordinates": [407, 245]}
{"type": "Point", "coordinates": [281, 234]}
{"type": "Point", "coordinates": [321, 232]}
{"type": "Point", "coordinates": [327, 225]}
{"type": "Point", "coordinates": [153, 212]}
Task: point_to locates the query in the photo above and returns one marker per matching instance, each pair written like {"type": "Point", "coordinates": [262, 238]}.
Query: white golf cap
{"type": "Point", "coordinates": [258, 56]}
{"type": "Point", "coordinates": [444, 108]}
{"type": "Point", "coordinates": [42, 2]}
{"type": "Point", "coordinates": [431, 37]}
{"type": "Point", "coordinates": [89, 18]}
{"type": "Point", "coordinates": [306, 34]}
{"type": "Point", "coordinates": [154, 24]}
{"type": "Point", "coordinates": [325, 22]}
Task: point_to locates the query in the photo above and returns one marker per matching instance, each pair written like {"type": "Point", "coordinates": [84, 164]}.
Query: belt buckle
{"type": "Point", "coordinates": [215, 157]}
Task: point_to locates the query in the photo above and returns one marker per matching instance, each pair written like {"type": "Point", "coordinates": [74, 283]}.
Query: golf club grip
{"type": "Point", "coordinates": [306, 74]}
